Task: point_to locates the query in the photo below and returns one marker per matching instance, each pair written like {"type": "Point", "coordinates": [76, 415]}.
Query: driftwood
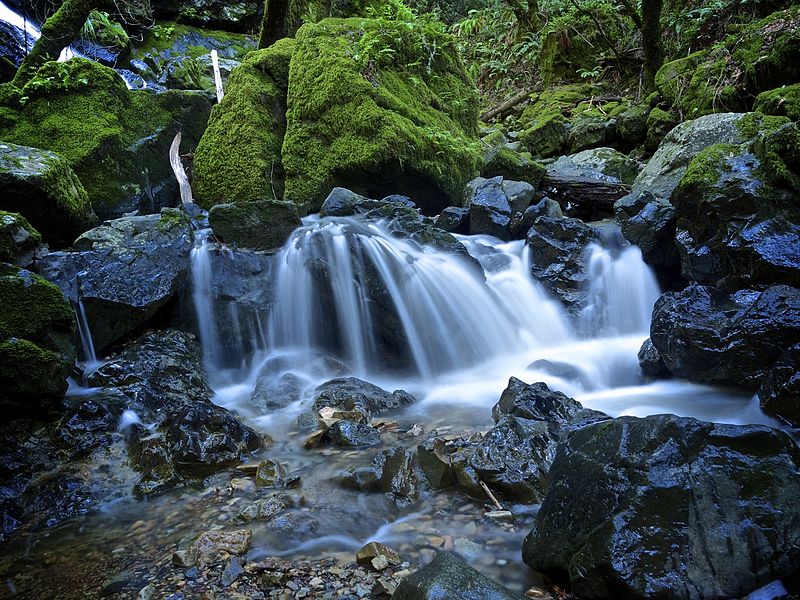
{"type": "Point", "coordinates": [506, 107]}
{"type": "Point", "coordinates": [583, 197]}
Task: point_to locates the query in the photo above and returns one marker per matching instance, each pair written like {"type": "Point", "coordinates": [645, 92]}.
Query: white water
{"type": "Point", "coordinates": [465, 335]}
{"type": "Point", "coordinates": [85, 332]}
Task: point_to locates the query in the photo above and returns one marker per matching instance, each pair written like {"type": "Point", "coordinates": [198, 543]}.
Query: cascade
{"type": "Point", "coordinates": [89, 354]}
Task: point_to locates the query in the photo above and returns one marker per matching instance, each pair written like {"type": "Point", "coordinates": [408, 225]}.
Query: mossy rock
{"type": "Point", "coordinates": [659, 124]}
{"type": "Point", "coordinates": [632, 124]}
{"type": "Point", "coordinates": [239, 15]}
{"type": "Point", "coordinates": [515, 166]}
{"type": "Point", "coordinates": [758, 57]}
{"type": "Point", "coordinates": [20, 243]}
{"type": "Point", "coordinates": [782, 101]}
{"type": "Point", "coordinates": [177, 56]}
{"type": "Point", "coordinates": [41, 186]}
{"type": "Point", "coordinates": [37, 333]}
{"type": "Point", "coordinates": [548, 137]}
{"type": "Point", "coordinates": [258, 225]}
{"type": "Point", "coordinates": [116, 140]}
{"type": "Point", "coordinates": [379, 107]}
{"type": "Point", "coordinates": [239, 156]}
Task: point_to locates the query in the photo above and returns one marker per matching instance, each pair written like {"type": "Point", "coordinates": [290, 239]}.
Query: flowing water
{"type": "Point", "coordinates": [347, 296]}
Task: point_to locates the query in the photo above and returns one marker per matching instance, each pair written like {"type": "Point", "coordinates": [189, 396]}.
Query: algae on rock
{"type": "Point", "coordinates": [379, 107]}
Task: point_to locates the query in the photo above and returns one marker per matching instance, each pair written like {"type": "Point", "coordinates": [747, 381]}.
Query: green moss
{"type": "Point", "coordinates": [560, 100]}
{"type": "Point", "coordinates": [755, 124]}
{"type": "Point", "coordinates": [103, 30]}
{"type": "Point", "coordinates": [516, 166]}
{"type": "Point", "coordinates": [783, 101]}
{"type": "Point", "coordinates": [16, 236]}
{"type": "Point", "coordinates": [707, 167]}
{"type": "Point", "coordinates": [28, 375]}
{"type": "Point", "coordinates": [239, 156]}
{"type": "Point", "coordinates": [778, 150]}
{"type": "Point", "coordinates": [399, 104]}
{"type": "Point", "coordinates": [659, 124]}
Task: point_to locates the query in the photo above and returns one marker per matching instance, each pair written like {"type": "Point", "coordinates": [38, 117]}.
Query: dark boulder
{"type": "Point", "coordinates": [392, 472]}
{"type": "Point", "coordinates": [352, 394]}
{"type": "Point", "coordinates": [707, 335]}
{"type": "Point", "coordinates": [537, 402]}
{"type": "Point", "coordinates": [669, 507]}
{"type": "Point", "coordinates": [650, 361]}
{"type": "Point", "coordinates": [780, 389]}
{"type": "Point", "coordinates": [454, 219]}
{"type": "Point", "coordinates": [523, 221]}
{"type": "Point", "coordinates": [649, 223]}
{"type": "Point", "coordinates": [20, 243]}
{"type": "Point", "coordinates": [273, 392]}
{"type": "Point", "coordinates": [448, 577]}
{"type": "Point", "coordinates": [213, 14]}
{"type": "Point", "coordinates": [352, 434]}
{"type": "Point", "coordinates": [489, 209]}
{"type": "Point", "coordinates": [341, 202]}
{"type": "Point", "coordinates": [37, 336]}
{"type": "Point", "coordinates": [557, 257]}
{"type": "Point", "coordinates": [162, 376]}
{"type": "Point", "coordinates": [257, 225]}
{"type": "Point", "coordinates": [124, 271]}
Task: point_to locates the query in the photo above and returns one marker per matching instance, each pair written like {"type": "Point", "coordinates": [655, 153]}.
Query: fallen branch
{"type": "Point", "coordinates": [180, 172]}
{"type": "Point", "coordinates": [491, 495]}
{"type": "Point", "coordinates": [505, 107]}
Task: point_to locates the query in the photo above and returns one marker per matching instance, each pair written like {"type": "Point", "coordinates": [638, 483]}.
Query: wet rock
{"type": "Point", "coordinates": [257, 225]}
{"type": "Point", "coordinates": [341, 202]}
{"type": "Point", "coordinates": [270, 474]}
{"type": "Point", "coordinates": [294, 525]}
{"type": "Point", "coordinates": [558, 248]}
{"type": "Point", "coordinates": [20, 243]}
{"type": "Point", "coordinates": [163, 377]}
{"type": "Point", "coordinates": [454, 219]}
{"type": "Point", "coordinates": [669, 506]}
{"type": "Point", "coordinates": [264, 510]}
{"type": "Point", "coordinates": [233, 570]}
{"type": "Point", "coordinates": [124, 271]}
{"type": "Point", "coordinates": [41, 186]}
{"type": "Point", "coordinates": [228, 16]}
{"type": "Point", "coordinates": [608, 162]}
{"type": "Point", "coordinates": [448, 577]}
{"type": "Point", "coordinates": [650, 361]}
{"type": "Point", "coordinates": [649, 223]}
{"type": "Point", "coordinates": [668, 165]}
{"type": "Point", "coordinates": [537, 402]}
{"type": "Point", "coordinates": [352, 434]}
{"type": "Point", "coordinates": [352, 394]}
{"type": "Point", "coordinates": [211, 544]}
{"type": "Point", "coordinates": [522, 222]}
{"type": "Point", "coordinates": [373, 550]}
{"type": "Point", "coordinates": [37, 334]}
{"type": "Point", "coordinates": [737, 215]}
{"type": "Point", "coordinates": [779, 393]}
{"type": "Point", "coordinates": [489, 209]}
{"type": "Point", "coordinates": [392, 472]}
{"type": "Point", "coordinates": [276, 392]}
{"type": "Point", "coordinates": [707, 335]}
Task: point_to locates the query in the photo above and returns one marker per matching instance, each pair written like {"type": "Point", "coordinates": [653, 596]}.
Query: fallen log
{"type": "Point", "coordinates": [505, 107]}
{"type": "Point", "coordinates": [584, 197]}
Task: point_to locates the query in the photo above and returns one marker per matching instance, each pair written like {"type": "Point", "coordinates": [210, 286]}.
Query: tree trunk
{"type": "Point", "coordinates": [274, 26]}
{"type": "Point", "coordinates": [651, 41]}
{"type": "Point", "coordinates": [58, 32]}
{"type": "Point", "coordinates": [527, 14]}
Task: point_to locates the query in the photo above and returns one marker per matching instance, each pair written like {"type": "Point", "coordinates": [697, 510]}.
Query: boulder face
{"type": "Point", "coordinates": [20, 243]}
{"type": "Point", "coordinates": [115, 140]}
{"type": "Point", "coordinates": [558, 248]}
{"type": "Point", "coordinates": [706, 335]}
{"type": "Point", "coordinates": [162, 376]}
{"type": "Point", "coordinates": [737, 214]}
{"type": "Point", "coordinates": [124, 271]}
{"type": "Point", "coordinates": [238, 158]}
{"type": "Point", "coordinates": [779, 393]}
{"type": "Point", "coordinates": [364, 114]}
{"type": "Point", "coordinates": [259, 225]}
{"type": "Point", "coordinates": [669, 506]}
{"type": "Point", "coordinates": [351, 394]}
{"type": "Point", "coordinates": [41, 186]}
{"type": "Point", "coordinates": [213, 14]}
{"type": "Point", "coordinates": [448, 577]}
{"type": "Point", "coordinates": [37, 333]}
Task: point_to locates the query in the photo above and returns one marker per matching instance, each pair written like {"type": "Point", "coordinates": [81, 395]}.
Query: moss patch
{"type": "Point", "coordinates": [380, 107]}
{"type": "Point", "coordinates": [783, 101]}
{"type": "Point", "coordinates": [239, 156]}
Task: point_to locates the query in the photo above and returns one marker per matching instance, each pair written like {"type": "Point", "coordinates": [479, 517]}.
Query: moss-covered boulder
{"type": "Point", "coordinates": [545, 127]}
{"type": "Point", "coordinates": [258, 225]}
{"type": "Point", "coordinates": [609, 162]}
{"type": "Point", "coordinates": [239, 15]}
{"type": "Point", "coordinates": [659, 123]}
{"type": "Point", "coordinates": [20, 243]}
{"type": "Point", "coordinates": [176, 56]}
{"type": "Point", "coordinates": [379, 106]}
{"type": "Point", "coordinates": [758, 57]}
{"type": "Point", "coordinates": [783, 101]}
{"type": "Point", "coordinates": [116, 140]}
{"type": "Point", "coordinates": [41, 186]}
{"type": "Point", "coordinates": [514, 165]}
{"type": "Point", "coordinates": [37, 331]}
{"type": "Point", "coordinates": [239, 156]}
{"type": "Point", "coordinates": [738, 220]}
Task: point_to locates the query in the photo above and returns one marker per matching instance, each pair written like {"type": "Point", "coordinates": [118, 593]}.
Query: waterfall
{"type": "Point", "coordinates": [31, 31]}
{"type": "Point", "coordinates": [89, 354]}
{"type": "Point", "coordinates": [202, 296]}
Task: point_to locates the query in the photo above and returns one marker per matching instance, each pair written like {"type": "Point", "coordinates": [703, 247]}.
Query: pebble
{"type": "Point", "coordinates": [147, 592]}
{"type": "Point", "coordinates": [212, 543]}
{"type": "Point", "coordinates": [379, 563]}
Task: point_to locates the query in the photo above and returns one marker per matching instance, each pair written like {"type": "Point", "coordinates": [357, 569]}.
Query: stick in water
{"type": "Point", "coordinates": [217, 75]}
{"type": "Point", "coordinates": [180, 173]}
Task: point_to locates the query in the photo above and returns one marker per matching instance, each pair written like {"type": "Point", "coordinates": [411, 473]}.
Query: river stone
{"type": "Point", "coordinates": [650, 361]}
{"type": "Point", "coordinates": [668, 165]}
{"type": "Point", "coordinates": [124, 271]}
{"type": "Point", "coordinates": [557, 258]}
{"type": "Point", "coordinates": [163, 377]}
{"type": "Point", "coordinates": [454, 219]}
{"type": "Point", "coordinates": [257, 225]}
{"type": "Point", "coordinates": [537, 402]}
{"type": "Point", "coordinates": [213, 543]}
{"type": "Point", "coordinates": [669, 507]}
{"type": "Point", "coordinates": [706, 335]}
{"type": "Point", "coordinates": [649, 223]}
{"type": "Point", "coordinates": [780, 389]}
{"type": "Point", "coordinates": [392, 471]}
{"type": "Point", "coordinates": [350, 434]}
{"type": "Point", "coordinates": [20, 243]}
{"type": "Point", "coordinates": [352, 394]}
{"type": "Point", "coordinates": [489, 209]}
{"type": "Point", "coordinates": [448, 577]}
{"type": "Point", "coordinates": [37, 336]}
{"type": "Point", "coordinates": [522, 222]}
{"type": "Point", "coordinates": [373, 550]}
{"type": "Point", "coordinates": [41, 186]}
{"type": "Point", "coordinates": [342, 202]}
{"type": "Point", "coordinates": [273, 392]}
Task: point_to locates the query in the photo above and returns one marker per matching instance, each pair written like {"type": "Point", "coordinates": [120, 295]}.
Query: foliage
{"type": "Point", "coordinates": [102, 30]}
